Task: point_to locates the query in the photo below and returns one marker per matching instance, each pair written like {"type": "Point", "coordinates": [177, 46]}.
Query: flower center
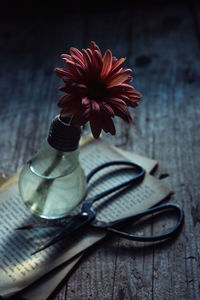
{"type": "Point", "coordinates": [96, 90]}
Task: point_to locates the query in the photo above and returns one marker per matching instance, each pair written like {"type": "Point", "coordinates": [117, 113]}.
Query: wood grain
{"type": "Point", "coordinates": [161, 40]}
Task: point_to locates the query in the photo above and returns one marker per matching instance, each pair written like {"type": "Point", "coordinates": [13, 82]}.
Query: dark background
{"type": "Point", "coordinates": [64, 6]}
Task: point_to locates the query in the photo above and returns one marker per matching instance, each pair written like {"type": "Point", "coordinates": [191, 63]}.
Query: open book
{"type": "Point", "coordinates": [19, 269]}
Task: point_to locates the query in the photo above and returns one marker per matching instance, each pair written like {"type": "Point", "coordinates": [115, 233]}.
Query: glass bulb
{"type": "Point", "coordinates": [52, 183]}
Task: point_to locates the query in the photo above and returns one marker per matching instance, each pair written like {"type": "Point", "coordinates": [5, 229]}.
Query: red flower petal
{"type": "Point", "coordinates": [83, 73]}
{"type": "Point", "coordinates": [119, 78]}
{"type": "Point", "coordinates": [107, 63]}
{"type": "Point", "coordinates": [90, 53]}
{"type": "Point", "coordinates": [95, 106]}
{"type": "Point", "coordinates": [87, 59]}
{"type": "Point", "coordinates": [118, 66]}
{"type": "Point", "coordinates": [67, 111]}
{"type": "Point", "coordinates": [75, 53]}
{"type": "Point", "coordinates": [60, 72]}
{"type": "Point", "coordinates": [115, 100]}
{"type": "Point", "coordinates": [108, 126]}
{"type": "Point", "coordinates": [93, 47]}
{"type": "Point", "coordinates": [76, 88]}
{"type": "Point", "coordinates": [72, 68]}
{"type": "Point", "coordinates": [65, 114]}
{"type": "Point", "coordinates": [66, 56]}
{"type": "Point", "coordinates": [72, 107]}
{"type": "Point", "coordinates": [95, 124]}
{"type": "Point", "coordinates": [114, 61]}
{"type": "Point", "coordinates": [122, 112]}
{"type": "Point", "coordinates": [86, 101]}
{"type": "Point", "coordinates": [82, 117]}
{"type": "Point", "coordinates": [131, 103]}
{"type": "Point", "coordinates": [77, 60]}
{"type": "Point", "coordinates": [129, 79]}
{"type": "Point", "coordinates": [65, 100]}
{"type": "Point", "coordinates": [98, 60]}
{"type": "Point", "coordinates": [68, 76]}
{"type": "Point", "coordinates": [135, 95]}
{"type": "Point", "coordinates": [63, 88]}
{"type": "Point", "coordinates": [123, 88]}
{"type": "Point", "coordinates": [105, 108]}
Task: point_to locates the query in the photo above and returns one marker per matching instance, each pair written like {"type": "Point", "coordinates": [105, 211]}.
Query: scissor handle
{"type": "Point", "coordinates": [136, 179]}
{"type": "Point", "coordinates": [161, 208]}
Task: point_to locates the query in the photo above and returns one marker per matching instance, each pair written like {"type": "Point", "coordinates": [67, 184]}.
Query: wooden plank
{"type": "Point", "coordinates": [164, 53]}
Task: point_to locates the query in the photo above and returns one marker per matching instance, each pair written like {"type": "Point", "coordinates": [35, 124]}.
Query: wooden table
{"type": "Point", "coordinates": [161, 41]}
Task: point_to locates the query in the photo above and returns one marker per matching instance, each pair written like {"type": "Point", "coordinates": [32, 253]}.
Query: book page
{"type": "Point", "coordinates": [102, 152]}
{"type": "Point", "coordinates": [147, 163]}
{"type": "Point", "coordinates": [44, 287]}
{"type": "Point", "coordinates": [18, 268]}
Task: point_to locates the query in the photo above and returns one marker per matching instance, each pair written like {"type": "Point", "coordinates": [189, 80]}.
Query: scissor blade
{"type": "Point", "coordinates": [38, 225]}
{"type": "Point", "coordinates": [50, 242]}
{"type": "Point", "coordinates": [74, 224]}
{"type": "Point", "coordinates": [57, 223]}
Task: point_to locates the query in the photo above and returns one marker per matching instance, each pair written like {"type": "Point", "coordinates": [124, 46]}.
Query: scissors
{"type": "Point", "coordinates": [88, 215]}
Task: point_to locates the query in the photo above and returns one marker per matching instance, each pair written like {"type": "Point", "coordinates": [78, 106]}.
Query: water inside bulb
{"type": "Point", "coordinates": [52, 183]}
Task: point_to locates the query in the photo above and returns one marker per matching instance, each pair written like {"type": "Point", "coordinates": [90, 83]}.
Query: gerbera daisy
{"type": "Point", "coordinates": [97, 89]}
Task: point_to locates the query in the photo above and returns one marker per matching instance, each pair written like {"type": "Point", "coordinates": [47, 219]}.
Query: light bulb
{"type": "Point", "coordinates": [53, 183]}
